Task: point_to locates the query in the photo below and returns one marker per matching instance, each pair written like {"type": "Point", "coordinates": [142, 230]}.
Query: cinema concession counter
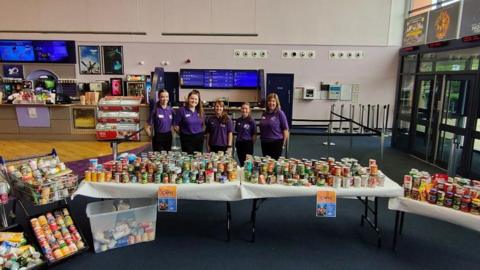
{"type": "Point", "coordinates": [51, 122]}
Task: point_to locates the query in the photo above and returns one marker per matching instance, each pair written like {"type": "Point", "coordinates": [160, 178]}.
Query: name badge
{"type": "Point", "coordinates": [246, 126]}
{"type": "Point", "coordinates": [170, 116]}
{"type": "Point", "coordinates": [161, 116]}
{"type": "Point", "coordinates": [263, 117]}
{"type": "Point", "coordinates": [273, 118]}
{"type": "Point", "coordinates": [187, 115]}
{"type": "Point", "coordinates": [223, 125]}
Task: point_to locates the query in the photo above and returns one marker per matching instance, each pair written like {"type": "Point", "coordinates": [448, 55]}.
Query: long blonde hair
{"type": "Point", "coordinates": [274, 96]}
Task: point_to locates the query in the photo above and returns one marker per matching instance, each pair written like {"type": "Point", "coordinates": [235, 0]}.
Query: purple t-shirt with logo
{"type": "Point", "coordinates": [218, 131]}
{"type": "Point", "coordinates": [272, 125]}
{"type": "Point", "coordinates": [161, 119]}
{"type": "Point", "coordinates": [188, 121]}
{"type": "Point", "coordinates": [245, 129]}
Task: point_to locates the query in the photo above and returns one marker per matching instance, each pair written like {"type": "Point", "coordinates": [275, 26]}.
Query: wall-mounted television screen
{"type": "Point", "coordinates": [219, 79]}
{"type": "Point", "coordinates": [37, 51]}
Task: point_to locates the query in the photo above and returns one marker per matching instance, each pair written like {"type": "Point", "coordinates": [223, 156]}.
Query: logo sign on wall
{"type": "Point", "coordinates": [443, 23]}
{"type": "Point", "coordinates": [415, 30]}
{"type": "Point", "coordinates": [13, 71]}
{"type": "Point", "coordinates": [470, 25]}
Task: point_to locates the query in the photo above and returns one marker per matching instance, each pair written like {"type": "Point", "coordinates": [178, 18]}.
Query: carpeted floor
{"type": "Point", "coordinates": [288, 234]}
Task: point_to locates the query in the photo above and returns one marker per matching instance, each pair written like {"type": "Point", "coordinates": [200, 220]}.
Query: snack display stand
{"type": "Point", "coordinates": [118, 117]}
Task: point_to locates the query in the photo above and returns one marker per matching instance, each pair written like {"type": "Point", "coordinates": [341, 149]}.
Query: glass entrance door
{"type": "Point", "coordinates": [442, 103]}
{"type": "Point", "coordinates": [453, 116]}
{"type": "Point", "coordinates": [425, 92]}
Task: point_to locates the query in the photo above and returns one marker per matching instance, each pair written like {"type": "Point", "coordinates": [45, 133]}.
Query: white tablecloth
{"type": "Point", "coordinates": [254, 191]}
{"type": "Point", "coordinates": [207, 192]}
{"type": "Point", "coordinates": [232, 191]}
{"type": "Point", "coordinates": [434, 211]}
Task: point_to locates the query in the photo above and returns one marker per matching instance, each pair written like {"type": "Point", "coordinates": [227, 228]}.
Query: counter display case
{"type": "Point", "coordinates": [118, 117]}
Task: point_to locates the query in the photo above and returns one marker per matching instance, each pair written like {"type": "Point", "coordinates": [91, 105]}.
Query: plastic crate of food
{"type": "Point", "coordinates": [113, 228]}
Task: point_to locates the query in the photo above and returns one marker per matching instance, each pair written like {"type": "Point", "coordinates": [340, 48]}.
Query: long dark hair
{"type": "Point", "coordinates": [224, 117]}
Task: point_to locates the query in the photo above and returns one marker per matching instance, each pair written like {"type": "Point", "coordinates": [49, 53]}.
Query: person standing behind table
{"type": "Point", "coordinates": [190, 123]}
{"type": "Point", "coordinates": [246, 130]}
{"type": "Point", "coordinates": [273, 128]}
{"type": "Point", "coordinates": [219, 129]}
{"type": "Point", "coordinates": [161, 119]}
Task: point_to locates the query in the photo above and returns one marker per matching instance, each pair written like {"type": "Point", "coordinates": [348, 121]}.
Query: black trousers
{"type": "Point", "coordinates": [272, 148]}
{"type": "Point", "coordinates": [162, 141]}
{"type": "Point", "coordinates": [192, 142]}
{"type": "Point", "coordinates": [243, 149]}
{"type": "Point", "coordinates": [216, 148]}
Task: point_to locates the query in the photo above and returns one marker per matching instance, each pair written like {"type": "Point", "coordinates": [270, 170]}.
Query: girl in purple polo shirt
{"type": "Point", "coordinates": [190, 123]}
{"type": "Point", "coordinates": [161, 119]}
{"type": "Point", "coordinates": [246, 130]}
{"type": "Point", "coordinates": [273, 128]}
{"type": "Point", "coordinates": [219, 130]}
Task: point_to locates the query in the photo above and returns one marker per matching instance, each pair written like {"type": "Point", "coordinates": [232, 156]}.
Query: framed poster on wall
{"type": "Point", "coordinates": [470, 25]}
{"type": "Point", "coordinates": [443, 23]}
{"type": "Point", "coordinates": [13, 71]}
{"type": "Point", "coordinates": [89, 60]}
{"type": "Point", "coordinates": [116, 86]}
{"type": "Point", "coordinates": [112, 59]}
{"type": "Point", "coordinates": [415, 30]}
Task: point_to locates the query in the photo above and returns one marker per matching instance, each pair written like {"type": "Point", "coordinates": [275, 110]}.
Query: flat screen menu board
{"type": "Point", "coordinates": [37, 51]}
{"type": "Point", "coordinates": [219, 79]}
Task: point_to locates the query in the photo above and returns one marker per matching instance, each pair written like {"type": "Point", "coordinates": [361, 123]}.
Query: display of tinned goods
{"type": "Point", "coordinates": [347, 173]}
{"type": "Point", "coordinates": [57, 235]}
{"type": "Point", "coordinates": [453, 192]}
{"type": "Point", "coordinates": [166, 168]}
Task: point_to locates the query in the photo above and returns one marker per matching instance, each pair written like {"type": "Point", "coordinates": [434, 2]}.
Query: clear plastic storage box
{"type": "Point", "coordinates": [113, 227]}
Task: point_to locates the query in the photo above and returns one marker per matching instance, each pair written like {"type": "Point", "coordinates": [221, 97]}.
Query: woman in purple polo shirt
{"type": "Point", "coordinates": [273, 128]}
{"type": "Point", "coordinates": [219, 130]}
{"type": "Point", "coordinates": [190, 123]}
{"type": "Point", "coordinates": [246, 130]}
{"type": "Point", "coordinates": [160, 119]}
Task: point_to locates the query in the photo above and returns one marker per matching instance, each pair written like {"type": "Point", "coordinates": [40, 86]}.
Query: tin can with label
{"type": "Point", "coordinates": [440, 197]}
{"type": "Point", "coordinates": [337, 182]}
{"type": "Point", "coordinates": [357, 181]}
{"type": "Point", "coordinates": [448, 201]}
{"type": "Point", "coordinates": [415, 195]}
{"type": "Point", "coordinates": [432, 196]}
{"type": "Point", "coordinates": [475, 207]}
{"type": "Point", "coordinates": [457, 201]}
{"type": "Point", "coordinates": [364, 178]}
{"type": "Point", "coordinates": [465, 204]}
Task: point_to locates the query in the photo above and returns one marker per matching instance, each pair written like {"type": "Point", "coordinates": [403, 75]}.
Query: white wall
{"type": "Point", "coordinates": [373, 26]}
{"type": "Point", "coordinates": [312, 22]}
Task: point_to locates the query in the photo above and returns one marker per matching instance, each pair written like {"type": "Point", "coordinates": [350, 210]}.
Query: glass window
{"type": "Point", "coordinates": [406, 95]}
{"type": "Point", "coordinates": [409, 63]}
{"type": "Point", "coordinates": [455, 103]}
{"type": "Point", "coordinates": [445, 147]}
{"type": "Point", "coordinates": [475, 169]}
{"type": "Point", "coordinates": [402, 135]}
{"type": "Point", "coordinates": [458, 60]}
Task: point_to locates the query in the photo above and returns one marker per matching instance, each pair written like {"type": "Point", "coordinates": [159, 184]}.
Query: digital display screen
{"type": "Point", "coordinates": [219, 79]}
{"type": "Point", "coordinates": [37, 51]}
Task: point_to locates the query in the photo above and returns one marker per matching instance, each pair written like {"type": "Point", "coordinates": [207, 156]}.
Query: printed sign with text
{"type": "Point", "coordinates": [167, 199]}
{"type": "Point", "coordinates": [326, 203]}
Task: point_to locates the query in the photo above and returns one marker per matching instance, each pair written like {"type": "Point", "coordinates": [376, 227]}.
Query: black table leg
{"type": "Point", "coordinates": [402, 216]}
{"type": "Point", "coordinates": [253, 216]}
{"type": "Point", "coordinates": [365, 217]}
{"type": "Point", "coordinates": [229, 220]}
{"type": "Point", "coordinates": [395, 231]}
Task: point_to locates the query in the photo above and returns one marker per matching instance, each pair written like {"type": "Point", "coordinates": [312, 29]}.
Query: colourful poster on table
{"type": "Point", "coordinates": [326, 203]}
{"type": "Point", "coordinates": [167, 199]}
{"type": "Point", "coordinates": [443, 23]}
{"type": "Point", "coordinates": [415, 30]}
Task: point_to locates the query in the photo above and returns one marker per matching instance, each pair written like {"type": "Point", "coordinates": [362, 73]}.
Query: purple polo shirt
{"type": "Point", "coordinates": [161, 119]}
{"type": "Point", "coordinates": [272, 125]}
{"type": "Point", "coordinates": [188, 121]}
{"type": "Point", "coordinates": [218, 131]}
{"type": "Point", "coordinates": [245, 129]}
